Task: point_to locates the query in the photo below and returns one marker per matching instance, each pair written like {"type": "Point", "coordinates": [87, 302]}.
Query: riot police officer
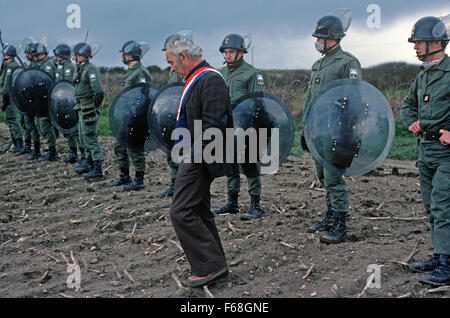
{"type": "Point", "coordinates": [137, 74]}
{"type": "Point", "coordinates": [173, 167]}
{"type": "Point", "coordinates": [242, 79]}
{"type": "Point", "coordinates": [8, 68]}
{"type": "Point", "coordinates": [426, 113]}
{"type": "Point", "coordinates": [335, 64]}
{"type": "Point", "coordinates": [44, 62]}
{"type": "Point", "coordinates": [89, 94]}
{"type": "Point", "coordinates": [65, 70]}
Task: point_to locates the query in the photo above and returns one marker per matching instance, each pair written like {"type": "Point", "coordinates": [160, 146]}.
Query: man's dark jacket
{"type": "Point", "coordinates": [209, 101]}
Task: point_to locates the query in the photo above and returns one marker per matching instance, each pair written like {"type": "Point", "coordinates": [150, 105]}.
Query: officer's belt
{"type": "Point", "coordinates": [430, 135]}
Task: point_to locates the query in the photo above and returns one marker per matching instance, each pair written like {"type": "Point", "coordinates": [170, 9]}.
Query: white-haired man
{"type": "Point", "coordinates": [206, 100]}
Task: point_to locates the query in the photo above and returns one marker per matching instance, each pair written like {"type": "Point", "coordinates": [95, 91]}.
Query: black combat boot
{"type": "Point", "coordinates": [72, 157]}
{"type": "Point", "coordinates": [96, 171]}
{"type": "Point", "coordinates": [5, 148]}
{"type": "Point", "coordinates": [325, 225]}
{"type": "Point", "coordinates": [427, 266]}
{"type": "Point", "coordinates": [338, 231]}
{"type": "Point", "coordinates": [441, 275]}
{"type": "Point", "coordinates": [169, 191]}
{"type": "Point", "coordinates": [231, 206]}
{"type": "Point", "coordinates": [36, 153]}
{"type": "Point", "coordinates": [18, 146]}
{"type": "Point", "coordinates": [26, 148]}
{"type": "Point", "coordinates": [124, 178]}
{"type": "Point", "coordinates": [255, 209]}
{"type": "Point", "coordinates": [51, 155]}
{"type": "Point", "coordinates": [84, 166]}
{"type": "Point", "coordinates": [137, 184]}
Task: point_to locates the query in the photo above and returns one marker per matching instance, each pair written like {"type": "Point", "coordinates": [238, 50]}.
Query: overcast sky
{"type": "Point", "coordinates": [280, 29]}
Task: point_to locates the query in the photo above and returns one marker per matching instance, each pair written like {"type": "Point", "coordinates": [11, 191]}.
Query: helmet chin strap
{"type": "Point", "coordinates": [428, 53]}
{"type": "Point", "coordinates": [326, 50]}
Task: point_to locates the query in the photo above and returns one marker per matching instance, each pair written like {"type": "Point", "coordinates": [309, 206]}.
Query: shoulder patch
{"type": "Point", "coordinates": [60, 67]}
{"type": "Point", "coordinates": [260, 79]}
{"type": "Point", "coordinates": [48, 68]}
{"type": "Point", "coordinates": [354, 73]}
{"type": "Point", "coordinates": [68, 71]}
{"type": "Point", "coordinates": [92, 77]}
{"type": "Point", "coordinates": [142, 80]}
{"type": "Point", "coordinates": [8, 71]}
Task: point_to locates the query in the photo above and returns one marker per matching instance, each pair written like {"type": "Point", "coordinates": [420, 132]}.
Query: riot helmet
{"type": "Point", "coordinates": [62, 50]}
{"type": "Point", "coordinates": [135, 49]}
{"type": "Point", "coordinates": [233, 41]}
{"type": "Point", "coordinates": [183, 33]}
{"type": "Point", "coordinates": [329, 27]}
{"type": "Point", "coordinates": [429, 29]}
{"type": "Point", "coordinates": [10, 50]}
{"type": "Point", "coordinates": [83, 49]}
{"type": "Point", "coordinates": [38, 49]}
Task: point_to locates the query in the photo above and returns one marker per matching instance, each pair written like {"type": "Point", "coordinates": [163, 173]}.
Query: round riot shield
{"type": "Point", "coordinates": [264, 133]}
{"type": "Point", "coordinates": [128, 117]}
{"type": "Point", "coordinates": [11, 89]}
{"type": "Point", "coordinates": [61, 107]}
{"type": "Point", "coordinates": [31, 92]}
{"type": "Point", "coordinates": [162, 116]}
{"type": "Point", "coordinates": [349, 127]}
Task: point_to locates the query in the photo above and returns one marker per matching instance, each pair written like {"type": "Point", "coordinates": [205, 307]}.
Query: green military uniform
{"type": "Point", "coordinates": [135, 75]}
{"type": "Point", "coordinates": [66, 71]}
{"type": "Point", "coordinates": [11, 121]}
{"type": "Point", "coordinates": [242, 80]}
{"type": "Point", "coordinates": [428, 102]}
{"type": "Point", "coordinates": [30, 122]}
{"type": "Point", "coordinates": [89, 95]}
{"type": "Point", "coordinates": [336, 64]}
{"type": "Point", "coordinates": [45, 126]}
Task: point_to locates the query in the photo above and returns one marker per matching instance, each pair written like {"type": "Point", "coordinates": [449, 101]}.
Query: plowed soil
{"type": "Point", "coordinates": [125, 245]}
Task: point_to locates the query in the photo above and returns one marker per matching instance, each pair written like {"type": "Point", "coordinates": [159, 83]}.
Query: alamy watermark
{"type": "Point", "coordinates": [74, 279]}
{"type": "Point", "coordinates": [241, 146]}
{"type": "Point", "coordinates": [74, 19]}
{"type": "Point", "coordinates": [374, 279]}
{"type": "Point", "coordinates": [374, 19]}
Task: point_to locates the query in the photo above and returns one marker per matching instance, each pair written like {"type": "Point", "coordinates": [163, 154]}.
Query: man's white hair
{"type": "Point", "coordinates": [184, 44]}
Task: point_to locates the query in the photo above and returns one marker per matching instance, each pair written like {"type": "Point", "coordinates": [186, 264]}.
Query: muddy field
{"type": "Point", "coordinates": [125, 245]}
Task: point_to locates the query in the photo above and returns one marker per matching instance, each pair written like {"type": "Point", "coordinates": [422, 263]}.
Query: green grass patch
{"type": "Point", "coordinates": [405, 144]}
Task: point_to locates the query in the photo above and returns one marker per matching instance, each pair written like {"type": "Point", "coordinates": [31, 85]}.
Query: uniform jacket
{"type": "Point", "coordinates": [428, 99]}
{"type": "Point", "coordinates": [209, 101]}
{"type": "Point", "coordinates": [88, 82]}
{"type": "Point", "coordinates": [5, 80]}
{"type": "Point", "coordinates": [47, 66]}
{"type": "Point", "coordinates": [337, 64]}
{"type": "Point", "coordinates": [242, 80]}
{"type": "Point", "coordinates": [65, 71]}
{"type": "Point", "coordinates": [136, 75]}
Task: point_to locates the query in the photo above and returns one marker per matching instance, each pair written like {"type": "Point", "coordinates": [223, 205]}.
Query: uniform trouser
{"type": "Point", "coordinates": [88, 133]}
{"type": "Point", "coordinates": [254, 184]}
{"type": "Point", "coordinates": [26, 132]}
{"type": "Point", "coordinates": [47, 131]}
{"type": "Point", "coordinates": [335, 187]}
{"type": "Point", "coordinates": [72, 139]}
{"type": "Point", "coordinates": [434, 172]}
{"type": "Point", "coordinates": [124, 154]}
{"type": "Point", "coordinates": [30, 125]}
{"type": "Point", "coordinates": [173, 167]}
{"type": "Point", "coordinates": [193, 221]}
{"type": "Point", "coordinates": [13, 124]}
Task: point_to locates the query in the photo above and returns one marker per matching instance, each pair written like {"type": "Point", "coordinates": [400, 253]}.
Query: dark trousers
{"type": "Point", "coordinates": [193, 221]}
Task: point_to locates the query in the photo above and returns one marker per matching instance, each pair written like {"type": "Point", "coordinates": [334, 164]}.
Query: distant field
{"type": "Point", "coordinates": [393, 79]}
